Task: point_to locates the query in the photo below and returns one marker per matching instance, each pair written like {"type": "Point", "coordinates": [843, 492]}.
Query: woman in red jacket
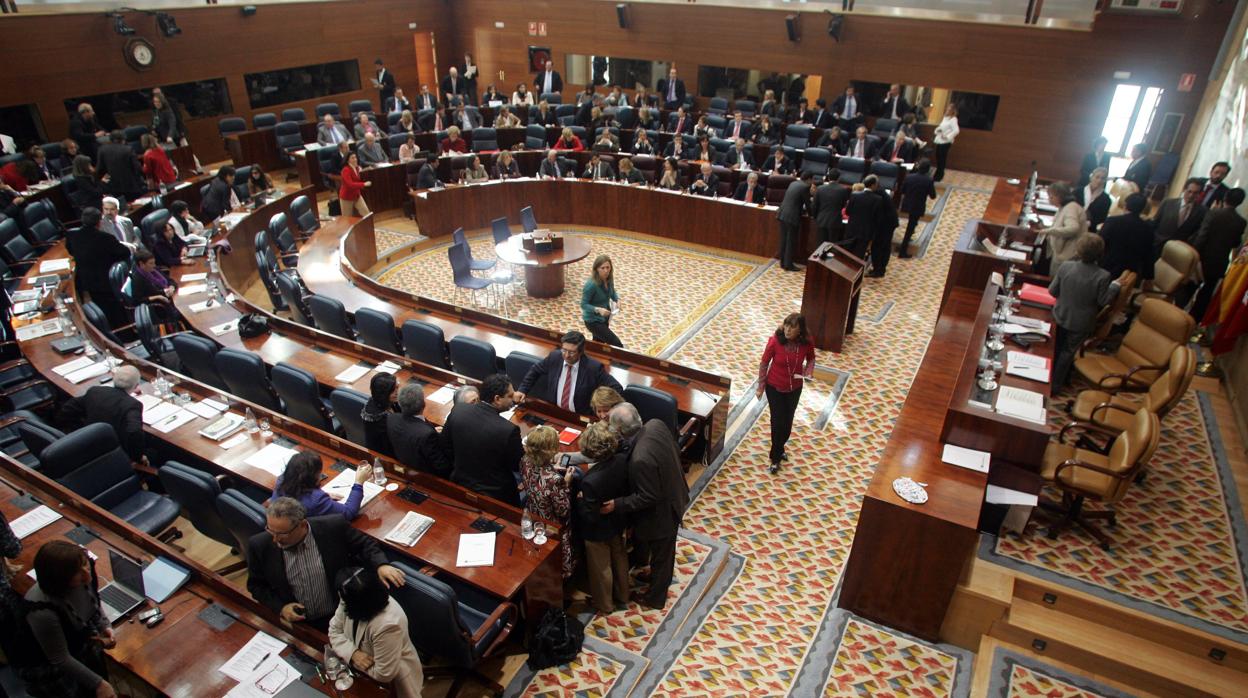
{"type": "Point", "coordinates": [569, 141]}
{"type": "Point", "coordinates": [156, 165]}
{"type": "Point", "coordinates": [788, 360]}
{"type": "Point", "coordinates": [351, 194]}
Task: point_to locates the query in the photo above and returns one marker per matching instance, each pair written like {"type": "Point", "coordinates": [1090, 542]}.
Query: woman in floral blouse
{"type": "Point", "coordinates": [547, 488]}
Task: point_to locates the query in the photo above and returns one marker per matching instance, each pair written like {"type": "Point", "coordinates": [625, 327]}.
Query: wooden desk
{"type": "Point", "coordinates": [543, 271]}
{"type": "Point", "coordinates": [1006, 203]}
{"type": "Point", "coordinates": [182, 655]}
{"type": "Point", "coordinates": [972, 265]}
{"type": "Point", "coordinates": [259, 146]}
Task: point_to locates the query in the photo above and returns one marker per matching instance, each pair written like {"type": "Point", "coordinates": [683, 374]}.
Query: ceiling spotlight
{"type": "Point", "coordinates": [167, 25]}
{"type": "Point", "coordinates": [120, 26]}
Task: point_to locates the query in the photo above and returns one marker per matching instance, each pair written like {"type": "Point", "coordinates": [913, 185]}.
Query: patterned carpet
{"type": "Point", "coordinates": [1016, 675]}
{"type": "Point", "coordinates": [871, 661]}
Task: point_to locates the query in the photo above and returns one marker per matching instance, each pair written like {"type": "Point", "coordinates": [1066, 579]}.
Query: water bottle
{"type": "Point", "coordinates": [213, 267]}
{"type": "Point", "coordinates": [379, 473]}
{"type": "Point", "coordinates": [249, 422]}
{"type": "Point", "coordinates": [161, 384]}
{"type": "Point", "coordinates": [526, 525]}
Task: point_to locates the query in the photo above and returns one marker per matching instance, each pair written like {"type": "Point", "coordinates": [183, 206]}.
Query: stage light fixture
{"type": "Point", "coordinates": [167, 25]}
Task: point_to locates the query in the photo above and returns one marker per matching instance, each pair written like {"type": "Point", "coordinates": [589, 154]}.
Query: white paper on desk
{"type": "Point", "coordinates": [387, 367]}
{"type": "Point", "coordinates": [1011, 254]}
{"type": "Point", "coordinates": [1031, 323]}
{"type": "Point", "coordinates": [442, 395]}
{"type": "Point", "coordinates": [54, 265]}
{"type": "Point", "coordinates": [33, 520]}
{"type": "Point", "coordinates": [1002, 495]}
{"type": "Point", "coordinates": [161, 410]}
{"type": "Point", "coordinates": [273, 674]}
{"type": "Point", "coordinates": [340, 487]}
{"type": "Point", "coordinates": [173, 421]}
{"type": "Point", "coordinates": [225, 327]}
{"type": "Point", "coordinates": [87, 373]}
{"type": "Point", "coordinates": [194, 277]}
{"type": "Point", "coordinates": [1015, 328]}
{"type": "Point", "coordinates": [69, 367]}
{"type": "Point", "coordinates": [234, 441]}
{"type": "Point", "coordinates": [966, 457]}
{"type": "Point", "coordinates": [475, 550]}
{"type": "Point", "coordinates": [1027, 366]}
{"type": "Point", "coordinates": [271, 458]}
{"type": "Point", "coordinates": [204, 409]}
{"type": "Point", "coordinates": [192, 289]}
{"type": "Point", "coordinates": [352, 374]}
{"type": "Point", "coordinates": [203, 305]}
{"type": "Point", "coordinates": [149, 401]}
{"type": "Point", "coordinates": [244, 661]}
{"type": "Point", "coordinates": [1020, 403]}
{"type": "Point", "coordinates": [42, 329]}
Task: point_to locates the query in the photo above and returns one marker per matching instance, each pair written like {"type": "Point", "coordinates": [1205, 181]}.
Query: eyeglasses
{"type": "Point", "coordinates": [287, 532]}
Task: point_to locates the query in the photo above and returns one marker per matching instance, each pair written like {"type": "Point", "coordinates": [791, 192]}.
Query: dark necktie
{"type": "Point", "coordinates": [565, 399]}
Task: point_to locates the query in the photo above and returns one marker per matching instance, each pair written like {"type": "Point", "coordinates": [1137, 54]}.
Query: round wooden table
{"type": "Point", "coordinates": [543, 273]}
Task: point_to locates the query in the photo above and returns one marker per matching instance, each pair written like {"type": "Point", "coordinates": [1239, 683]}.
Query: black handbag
{"type": "Point", "coordinates": [252, 325]}
{"type": "Point", "coordinates": [557, 640]}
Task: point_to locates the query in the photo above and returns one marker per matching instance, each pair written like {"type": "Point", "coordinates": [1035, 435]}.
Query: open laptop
{"type": "Point", "coordinates": [125, 592]}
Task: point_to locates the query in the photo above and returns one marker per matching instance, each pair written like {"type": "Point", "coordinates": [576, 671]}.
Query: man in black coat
{"type": "Point", "coordinates": [1128, 241]}
{"type": "Point", "coordinates": [882, 240]}
{"type": "Point", "coordinates": [453, 87]}
{"type": "Point", "coordinates": [897, 149]}
{"type": "Point", "coordinates": [384, 81]}
{"type": "Point", "coordinates": [567, 377]}
{"type": "Point", "coordinates": [1141, 168]}
{"type": "Point", "coordinates": [484, 447]}
{"type": "Point", "coordinates": [706, 183]}
{"type": "Point", "coordinates": [548, 81]}
{"type": "Point", "coordinates": [1219, 235]}
{"type": "Point", "coordinates": [828, 208]}
{"type": "Point", "coordinates": [1179, 218]}
{"type": "Point", "coordinates": [119, 168]}
{"type": "Point", "coordinates": [427, 177]}
{"type": "Point", "coordinates": [895, 106]}
{"type": "Point", "coordinates": [658, 497]}
{"type": "Point", "coordinates": [1212, 188]}
{"type": "Point", "coordinates": [916, 189]}
{"type": "Point", "coordinates": [863, 211]}
{"type": "Point", "coordinates": [671, 90]}
{"type": "Point", "coordinates": [294, 564]}
{"type": "Point", "coordinates": [220, 198]}
{"type": "Point", "coordinates": [796, 202]}
{"type": "Point", "coordinates": [94, 252]}
{"type": "Point", "coordinates": [86, 130]}
{"type": "Point", "coordinates": [750, 190]}
{"type": "Point", "coordinates": [112, 405]}
{"type": "Point", "coordinates": [415, 442]}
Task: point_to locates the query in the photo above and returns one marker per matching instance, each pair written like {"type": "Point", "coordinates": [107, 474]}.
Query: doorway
{"type": "Point", "coordinates": [1129, 121]}
{"type": "Point", "coordinates": [426, 60]}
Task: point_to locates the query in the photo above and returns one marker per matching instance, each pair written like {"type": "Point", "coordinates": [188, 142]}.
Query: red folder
{"type": "Point", "coordinates": [568, 435]}
{"type": "Point", "coordinates": [1036, 295]}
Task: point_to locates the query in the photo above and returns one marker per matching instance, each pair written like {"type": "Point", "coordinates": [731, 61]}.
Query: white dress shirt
{"type": "Point", "coordinates": [567, 373]}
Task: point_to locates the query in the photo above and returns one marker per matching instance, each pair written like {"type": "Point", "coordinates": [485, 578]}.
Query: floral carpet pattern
{"type": "Point", "coordinates": [588, 676]}
{"type": "Point", "coordinates": [1026, 682]}
{"type": "Point", "coordinates": [1017, 675]}
{"type": "Point", "coordinates": [871, 661]}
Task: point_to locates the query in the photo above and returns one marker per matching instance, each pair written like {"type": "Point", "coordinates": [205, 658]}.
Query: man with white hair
{"type": "Point", "coordinates": [658, 499]}
{"type": "Point", "coordinates": [113, 405]}
{"type": "Point", "coordinates": [117, 225]}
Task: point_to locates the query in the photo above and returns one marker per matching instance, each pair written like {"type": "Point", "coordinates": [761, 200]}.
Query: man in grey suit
{"type": "Point", "coordinates": [551, 168]}
{"type": "Point", "coordinates": [828, 207]}
{"type": "Point", "coordinates": [1179, 218]}
{"type": "Point", "coordinates": [330, 132]}
{"type": "Point", "coordinates": [467, 119]}
{"type": "Point", "coordinates": [659, 495]}
{"type": "Point", "coordinates": [796, 202]}
{"type": "Point", "coordinates": [116, 224]}
{"type": "Point", "coordinates": [370, 152]}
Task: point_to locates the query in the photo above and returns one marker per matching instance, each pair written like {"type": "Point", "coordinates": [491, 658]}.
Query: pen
{"type": "Point", "coordinates": [257, 666]}
{"type": "Point", "coordinates": [513, 547]}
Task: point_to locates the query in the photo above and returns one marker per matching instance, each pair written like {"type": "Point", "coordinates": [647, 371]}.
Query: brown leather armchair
{"type": "Point", "coordinates": [1083, 473]}
{"type": "Point", "coordinates": [1145, 351]}
{"type": "Point", "coordinates": [1113, 410]}
{"type": "Point", "coordinates": [1105, 318]}
{"type": "Point", "coordinates": [1177, 264]}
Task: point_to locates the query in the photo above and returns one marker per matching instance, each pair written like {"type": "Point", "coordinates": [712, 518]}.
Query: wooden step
{"type": "Point", "coordinates": [982, 676]}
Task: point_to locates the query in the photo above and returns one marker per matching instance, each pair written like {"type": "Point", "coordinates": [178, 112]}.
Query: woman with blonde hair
{"type": "Point", "coordinates": [548, 489]}
{"type": "Point", "coordinates": [569, 141]}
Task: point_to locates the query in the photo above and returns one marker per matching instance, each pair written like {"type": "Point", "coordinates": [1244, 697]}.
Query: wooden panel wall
{"type": "Point", "coordinates": [1055, 86]}
{"type": "Point", "coordinates": [48, 58]}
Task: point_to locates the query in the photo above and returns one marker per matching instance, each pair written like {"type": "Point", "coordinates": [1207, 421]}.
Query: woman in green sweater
{"type": "Point", "coordinates": [599, 301]}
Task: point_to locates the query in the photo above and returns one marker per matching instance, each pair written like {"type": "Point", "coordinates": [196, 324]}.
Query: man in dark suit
{"type": "Point", "coordinates": [551, 168]}
{"type": "Point", "coordinates": [886, 223]}
{"type": "Point", "coordinates": [897, 149]}
{"type": "Point", "coordinates": [1219, 235]}
{"type": "Point", "coordinates": [822, 118]}
{"type": "Point", "coordinates": [863, 145]}
{"type": "Point", "coordinates": [796, 202]}
{"type": "Point", "coordinates": [706, 183]}
{"type": "Point", "coordinates": [484, 447]}
{"type": "Point", "coordinates": [548, 80]}
{"type": "Point", "coordinates": [680, 122]}
{"type": "Point", "coordinates": [384, 81]}
{"type": "Point", "coordinates": [94, 252]}
{"type": "Point", "coordinates": [750, 191]}
{"type": "Point", "coordinates": [119, 169]}
{"type": "Point", "coordinates": [658, 497]}
{"type": "Point", "coordinates": [220, 198]}
{"type": "Point", "coordinates": [567, 377]}
{"type": "Point", "coordinates": [597, 168]}
{"type": "Point", "coordinates": [85, 130]}
{"type": "Point", "coordinates": [802, 114]}
{"type": "Point", "coordinates": [739, 156]}
{"type": "Point", "coordinates": [426, 99]}
{"type": "Point", "coordinates": [779, 162]}
{"type": "Point", "coordinates": [416, 443]}
{"type": "Point", "coordinates": [1212, 189]}
{"type": "Point", "coordinates": [398, 102]}
{"type": "Point", "coordinates": [453, 87]}
{"type": "Point", "coordinates": [671, 90]}
{"type": "Point", "coordinates": [828, 208]}
{"type": "Point", "coordinates": [427, 177]}
{"type": "Point", "coordinates": [916, 189]}
{"type": "Point", "coordinates": [293, 565]}
{"type": "Point", "coordinates": [1128, 241]}
{"type": "Point", "coordinates": [112, 405]}
{"type": "Point", "coordinates": [863, 211]}
{"type": "Point", "coordinates": [833, 139]}
{"type": "Point", "coordinates": [848, 107]}
{"type": "Point", "coordinates": [1179, 218]}
{"type": "Point", "coordinates": [1140, 169]}
{"type": "Point", "coordinates": [895, 106]}
{"type": "Point", "coordinates": [738, 127]}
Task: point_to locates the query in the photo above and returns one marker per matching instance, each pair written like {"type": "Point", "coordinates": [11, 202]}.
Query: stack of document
{"type": "Point", "coordinates": [388, 367]}
{"type": "Point", "coordinates": [1034, 324]}
{"type": "Point", "coordinates": [271, 458]}
{"type": "Point", "coordinates": [192, 289]}
{"type": "Point", "coordinates": [340, 487]}
{"type": "Point", "coordinates": [1028, 366]}
{"type": "Point", "coordinates": [1023, 404]}
{"type": "Point", "coordinates": [352, 374]}
{"type": "Point", "coordinates": [33, 520]}
{"type": "Point", "coordinates": [42, 329]}
{"type": "Point", "coordinates": [89, 371]}
{"type": "Point", "coordinates": [223, 427]}
{"type": "Point", "coordinates": [54, 265]}
{"type": "Point", "coordinates": [71, 366]}
{"type": "Point", "coordinates": [442, 395]}
{"type": "Point", "coordinates": [966, 457]}
{"type": "Point", "coordinates": [409, 531]}
{"type": "Point", "coordinates": [475, 550]}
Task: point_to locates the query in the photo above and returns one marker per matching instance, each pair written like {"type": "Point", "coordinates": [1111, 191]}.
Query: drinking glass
{"type": "Point", "coordinates": [266, 429]}
{"type": "Point", "coordinates": [539, 533]}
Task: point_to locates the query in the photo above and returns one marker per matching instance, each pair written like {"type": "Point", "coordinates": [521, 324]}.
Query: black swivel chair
{"type": "Point", "coordinates": [376, 329]}
{"type": "Point", "coordinates": [535, 137]}
{"type": "Point", "coordinates": [484, 139]}
{"type": "Point", "coordinates": [425, 342]}
{"type": "Point", "coordinates": [280, 235]}
{"type": "Point", "coordinates": [295, 114]}
{"type": "Point", "coordinates": [330, 316]}
{"type": "Point", "coordinates": [302, 395]}
{"type": "Point", "coordinates": [243, 517]}
{"type": "Point", "coordinates": [518, 364]}
{"type": "Point", "coordinates": [37, 435]}
{"type": "Point", "coordinates": [472, 357]}
{"type": "Point", "coordinates": [328, 108]}
{"type": "Point", "coordinates": [91, 462]}
{"type": "Point", "coordinates": [458, 624]}
{"type": "Point", "coordinates": [267, 266]}
{"type": "Point", "coordinates": [263, 120]}
{"type": "Point", "coordinates": [231, 125]}
{"type": "Point", "coordinates": [304, 213]}
{"type": "Point", "coordinates": [152, 225]}
{"type": "Point", "coordinates": [289, 139]}
{"type": "Point", "coordinates": [652, 403]}
{"type": "Point", "coordinates": [244, 374]}
{"type": "Point", "coordinates": [197, 355]}
{"type": "Point", "coordinates": [159, 348]}
{"type": "Point", "coordinates": [359, 105]}
{"type": "Point", "coordinates": [42, 225]}
{"type": "Point", "coordinates": [196, 492]}
{"type": "Point", "coordinates": [15, 249]}
{"type": "Point", "coordinates": [527, 220]}
{"type": "Point", "coordinates": [292, 295]}
{"type": "Point", "coordinates": [348, 404]}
